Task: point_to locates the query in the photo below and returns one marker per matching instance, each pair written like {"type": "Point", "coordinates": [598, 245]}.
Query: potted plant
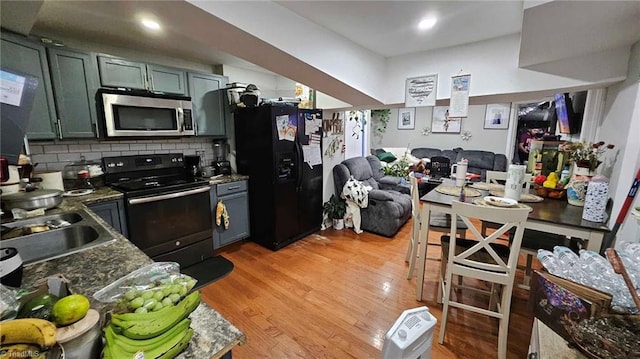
{"type": "Point", "coordinates": [586, 158]}
{"type": "Point", "coordinates": [335, 209]}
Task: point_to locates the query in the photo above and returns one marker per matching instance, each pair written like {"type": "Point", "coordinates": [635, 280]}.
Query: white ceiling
{"type": "Point", "coordinates": [385, 28]}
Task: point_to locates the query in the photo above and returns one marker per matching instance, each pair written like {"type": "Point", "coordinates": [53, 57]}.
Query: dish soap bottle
{"type": "Point", "coordinates": [463, 196]}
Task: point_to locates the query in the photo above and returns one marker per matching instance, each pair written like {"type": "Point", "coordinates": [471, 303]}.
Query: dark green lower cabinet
{"type": "Point", "coordinates": [113, 213]}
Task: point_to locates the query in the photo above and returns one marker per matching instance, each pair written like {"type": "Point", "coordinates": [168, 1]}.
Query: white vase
{"type": "Point", "coordinates": [338, 224]}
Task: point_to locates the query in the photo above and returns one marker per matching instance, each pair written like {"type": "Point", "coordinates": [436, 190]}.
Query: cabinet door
{"type": "Point", "coordinates": [24, 56]}
{"type": "Point", "coordinates": [208, 104]}
{"type": "Point", "coordinates": [113, 213]}
{"type": "Point", "coordinates": [167, 79]}
{"type": "Point", "coordinates": [75, 82]}
{"type": "Point", "coordinates": [238, 209]}
{"type": "Point", "coordinates": [115, 72]}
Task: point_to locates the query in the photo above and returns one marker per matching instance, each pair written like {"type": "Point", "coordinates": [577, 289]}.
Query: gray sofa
{"type": "Point", "coordinates": [388, 209]}
{"type": "Point", "coordinates": [479, 161]}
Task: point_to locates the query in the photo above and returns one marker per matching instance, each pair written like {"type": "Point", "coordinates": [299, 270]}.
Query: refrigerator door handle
{"type": "Point", "coordinates": [299, 164]}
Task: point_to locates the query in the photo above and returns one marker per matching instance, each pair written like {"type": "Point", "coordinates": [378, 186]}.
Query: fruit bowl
{"type": "Point", "coordinates": [550, 192]}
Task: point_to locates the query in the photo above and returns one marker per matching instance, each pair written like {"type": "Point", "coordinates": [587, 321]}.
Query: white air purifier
{"type": "Point", "coordinates": [410, 336]}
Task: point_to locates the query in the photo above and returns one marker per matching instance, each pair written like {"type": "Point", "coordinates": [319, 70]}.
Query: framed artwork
{"type": "Point", "coordinates": [421, 91]}
{"type": "Point", "coordinates": [497, 116]}
{"type": "Point", "coordinates": [406, 118]}
{"type": "Point", "coordinates": [459, 102]}
{"type": "Point", "coordinates": [441, 122]}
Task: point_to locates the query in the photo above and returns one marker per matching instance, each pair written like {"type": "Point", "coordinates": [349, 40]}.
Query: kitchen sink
{"type": "Point", "coordinates": [62, 234]}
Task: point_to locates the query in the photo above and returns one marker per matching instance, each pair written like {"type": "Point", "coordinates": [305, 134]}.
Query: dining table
{"type": "Point", "coordinates": [555, 216]}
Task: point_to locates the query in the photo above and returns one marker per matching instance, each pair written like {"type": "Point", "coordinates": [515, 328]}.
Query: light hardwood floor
{"type": "Point", "coordinates": [334, 294]}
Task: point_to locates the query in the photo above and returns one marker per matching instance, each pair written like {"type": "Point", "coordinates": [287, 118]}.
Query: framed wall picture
{"type": "Point", "coordinates": [421, 91]}
{"type": "Point", "coordinates": [441, 122]}
{"type": "Point", "coordinates": [497, 116]}
{"type": "Point", "coordinates": [406, 118]}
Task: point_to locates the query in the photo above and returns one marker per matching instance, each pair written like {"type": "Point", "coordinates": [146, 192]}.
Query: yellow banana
{"type": "Point", "coordinates": [28, 331]}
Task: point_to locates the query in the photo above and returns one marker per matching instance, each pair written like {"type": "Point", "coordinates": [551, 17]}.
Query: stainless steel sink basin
{"type": "Point", "coordinates": [67, 233]}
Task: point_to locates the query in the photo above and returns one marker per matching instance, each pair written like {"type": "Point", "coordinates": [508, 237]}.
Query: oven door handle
{"type": "Point", "coordinates": [168, 196]}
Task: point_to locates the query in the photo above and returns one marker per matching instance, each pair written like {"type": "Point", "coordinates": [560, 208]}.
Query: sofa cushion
{"type": "Point", "coordinates": [387, 157]}
{"type": "Point", "coordinates": [423, 152]}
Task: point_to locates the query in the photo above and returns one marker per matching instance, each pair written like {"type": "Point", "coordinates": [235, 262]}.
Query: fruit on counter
{"type": "Point", "coordinates": [151, 324]}
{"type": "Point", "coordinates": [39, 306]}
{"type": "Point", "coordinates": [70, 309]}
{"type": "Point", "coordinates": [13, 351]}
{"type": "Point", "coordinates": [119, 346]}
{"type": "Point", "coordinates": [28, 331]}
{"type": "Point", "coordinates": [156, 298]}
{"type": "Point", "coordinates": [551, 181]}
{"type": "Point", "coordinates": [539, 179]}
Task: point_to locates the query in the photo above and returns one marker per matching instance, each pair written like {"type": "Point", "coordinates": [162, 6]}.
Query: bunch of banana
{"type": "Point", "coordinates": [28, 331]}
{"type": "Point", "coordinates": [162, 334]}
{"type": "Point", "coordinates": [149, 325]}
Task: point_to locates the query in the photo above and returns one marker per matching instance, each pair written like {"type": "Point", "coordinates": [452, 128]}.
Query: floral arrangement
{"type": "Point", "coordinates": [586, 154]}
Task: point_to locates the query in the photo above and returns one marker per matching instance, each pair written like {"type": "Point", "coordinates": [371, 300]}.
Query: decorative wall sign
{"type": "Point", "coordinates": [442, 122]}
{"type": "Point", "coordinates": [459, 103]}
{"type": "Point", "coordinates": [497, 116]}
{"type": "Point", "coordinates": [406, 118]}
{"type": "Point", "coordinates": [421, 91]}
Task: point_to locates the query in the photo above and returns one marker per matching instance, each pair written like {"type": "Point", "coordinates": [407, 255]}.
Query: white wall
{"type": "Point", "coordinates": [621, 126]}
{"type": "Point", "coordinates": [493, 65]}
{"type": "Point", "coordinates": [481, 139]}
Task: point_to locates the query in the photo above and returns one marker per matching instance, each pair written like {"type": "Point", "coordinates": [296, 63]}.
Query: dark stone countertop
{"type": "Point", "coordinates": [94, 268]}
{"type": "Point", "coordinates": [227, 179]}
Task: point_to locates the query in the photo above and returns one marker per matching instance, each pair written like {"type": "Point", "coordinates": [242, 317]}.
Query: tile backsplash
{"type": "Point", "coordinates": [51, 155]}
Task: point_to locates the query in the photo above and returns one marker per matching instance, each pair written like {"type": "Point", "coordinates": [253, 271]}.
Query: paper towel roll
{"type": "Point", "coordinates": [51, 180]}
{"type": "Point", "coordinates": [595, 202]}
{"type": "Point", "coordinates": [515, 180]}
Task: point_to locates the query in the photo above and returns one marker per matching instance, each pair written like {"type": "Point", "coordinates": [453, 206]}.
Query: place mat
{"type": "Point", "coordinates": [455, 191]}
{"type": "Point", "coordinates": [524, 197]}
{"type": "Point", "coordinates": [487, 186]}
{"type": "Point", "coordinates": [483, 203]}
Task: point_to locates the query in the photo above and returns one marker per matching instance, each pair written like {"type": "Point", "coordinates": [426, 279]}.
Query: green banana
{"type": "Point", "coordinates": [179, 347]}
{"type": "Point", "coordinates": [137, 326]}
{"type": "Point", "coordinates": [133, 345]}
{"type": "Point", "coordinates": [155, 315]}
{"type": "Point", "coordinates": [171, 347]}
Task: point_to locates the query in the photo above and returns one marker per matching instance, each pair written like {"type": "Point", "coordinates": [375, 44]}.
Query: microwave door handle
{"type": "Point", "coordinates": [180, 119]}
{"type": "Point", "coordinates": [168, 196]}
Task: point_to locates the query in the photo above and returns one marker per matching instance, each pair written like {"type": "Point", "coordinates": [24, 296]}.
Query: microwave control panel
{"type": "Point", "coordinates": [188, 120]}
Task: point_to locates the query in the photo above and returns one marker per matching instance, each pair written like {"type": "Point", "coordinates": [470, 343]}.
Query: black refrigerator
{"type": "Point", "coordinates": [279, 147]}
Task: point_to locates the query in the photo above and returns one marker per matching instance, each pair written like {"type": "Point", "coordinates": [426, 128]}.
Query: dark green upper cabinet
{"type": "Point", "coordinates": [208, 104]}
{"type": "Point", "coordinates": [75, 82]}
{"type": "Point", "coordinates": [167, 79]}
{"type": "Point", "coordinates": [117, 72]}
{"type": "Point", "coordinates": [28, 57]}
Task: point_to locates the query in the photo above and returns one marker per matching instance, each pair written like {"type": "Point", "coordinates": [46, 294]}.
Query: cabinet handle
{"type": "Point", "coordinates": [232, 188]}
{"type": "Point", "coordinates": [95, 124]}
{"type": "Point", "coordinates": [59, 125]}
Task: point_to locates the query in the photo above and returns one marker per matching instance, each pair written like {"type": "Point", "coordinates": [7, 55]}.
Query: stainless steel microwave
{"type": "Point", "coordinates": [129, 113]}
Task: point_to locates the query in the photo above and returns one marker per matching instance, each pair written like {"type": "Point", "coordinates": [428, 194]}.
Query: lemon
{"type": "Point", "coordinates": [70, 309]}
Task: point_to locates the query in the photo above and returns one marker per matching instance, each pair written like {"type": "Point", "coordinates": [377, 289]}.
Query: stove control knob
{"type": "Point", "coordinates": [174, 159]}
{"type": "Point", "coordinates": [177, 243]}
{"type": "Point", "coordinates": [120, 164]}
{"type": "Point", "coordinates": [111, 164]}
{"type": "Point", "coordinates": [402, 334]}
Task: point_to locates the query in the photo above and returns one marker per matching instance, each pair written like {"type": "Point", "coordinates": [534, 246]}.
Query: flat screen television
{"type": "Point", "coordinates": [564, 113]}
{"type": "Point", "coordinates": [17, 94]}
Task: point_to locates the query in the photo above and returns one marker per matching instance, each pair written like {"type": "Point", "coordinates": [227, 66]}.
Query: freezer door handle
{"type": "Point", "coordinates": [299, 164]}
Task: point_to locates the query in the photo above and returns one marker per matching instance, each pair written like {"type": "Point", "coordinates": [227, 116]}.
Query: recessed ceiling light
{"type": "Point", "coordinates": [150, 24]}
{"type": "Point", "coordinates": [427, 23]}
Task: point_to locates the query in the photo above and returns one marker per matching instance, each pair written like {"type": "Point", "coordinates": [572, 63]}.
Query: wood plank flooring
{"type": "Point", "coordinates": [334, 294]}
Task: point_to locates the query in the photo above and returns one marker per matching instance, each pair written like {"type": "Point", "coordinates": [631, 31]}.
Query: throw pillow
{"type": "Point", "coordinates": [387, 157]}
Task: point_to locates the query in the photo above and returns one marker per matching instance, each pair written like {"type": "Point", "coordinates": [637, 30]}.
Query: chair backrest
{"type": "Point", "coordinates": [415, 196]}
{"type": "Point", "coordinates": [507, 217]}
{"type": "Point", "coordinates": [440, 166]}
{"type": "Point", "coordinates": [495, 176]}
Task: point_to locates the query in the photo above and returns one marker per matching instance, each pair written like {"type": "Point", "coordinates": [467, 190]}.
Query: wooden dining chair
{"type": "Point", "coordinates": [439, 222]}
{"type": "Point", "coordinates": [484, 260]}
